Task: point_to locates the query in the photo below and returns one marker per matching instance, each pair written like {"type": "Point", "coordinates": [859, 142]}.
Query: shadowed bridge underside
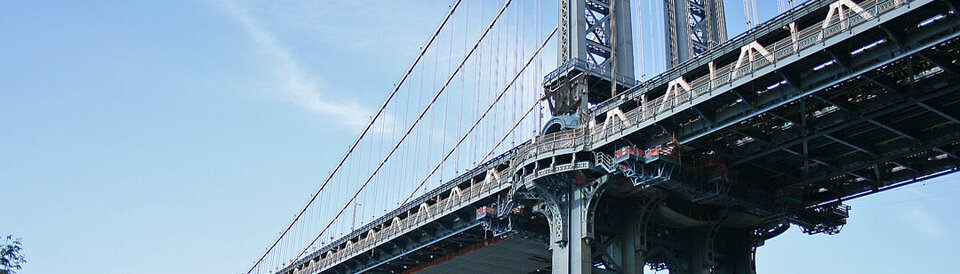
{"type": "Point", "coordinates": [692, 170]}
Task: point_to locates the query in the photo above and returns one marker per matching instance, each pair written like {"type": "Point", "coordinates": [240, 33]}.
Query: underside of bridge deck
{"type": "Point", "coordinates": [513, 254]}
{"type": "Point", "coordinates": [877, 110]}
{"type": "Point", "coordinates": [698, 187]}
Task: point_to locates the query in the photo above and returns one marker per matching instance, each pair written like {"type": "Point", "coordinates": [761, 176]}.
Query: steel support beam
{"type": "Point", "coordinates": [692, 28]}
{"type": "Point", "coordinates": [585, 33]}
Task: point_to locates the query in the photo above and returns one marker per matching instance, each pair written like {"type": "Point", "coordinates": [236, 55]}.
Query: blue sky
{"type": "Point", "coordinates": [182, 136]}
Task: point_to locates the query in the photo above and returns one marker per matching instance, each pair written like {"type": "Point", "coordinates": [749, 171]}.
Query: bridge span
{"type": "Point", "coordinates": [693, 169]}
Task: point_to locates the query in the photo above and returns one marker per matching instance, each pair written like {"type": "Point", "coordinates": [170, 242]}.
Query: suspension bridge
{"type": "Point", "coordinates": [486, 162]}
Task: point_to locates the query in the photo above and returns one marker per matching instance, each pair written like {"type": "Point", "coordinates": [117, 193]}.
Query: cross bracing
{"type": "Point", "coordinates": [806, 107]}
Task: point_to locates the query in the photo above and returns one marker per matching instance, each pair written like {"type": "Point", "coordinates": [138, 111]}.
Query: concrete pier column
{"type": "Point", "coordinates": [630, 255]}
{"type": "Point", "coordinates": [696, 255]}
{"type": "Point", "coordinates": [580, 256]}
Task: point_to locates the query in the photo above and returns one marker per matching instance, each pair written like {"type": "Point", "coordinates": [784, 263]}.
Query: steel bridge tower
{"type": "Point", "coordinates": [692, 28]}
{"type": "Point", "coordinates": [587, 32]}
{"type": "Point", "coordinates": [596, 45]}
{"type": "Point", "coordinates": [695, 168]}
{"type": "Point", "coordinates": [596, 57]}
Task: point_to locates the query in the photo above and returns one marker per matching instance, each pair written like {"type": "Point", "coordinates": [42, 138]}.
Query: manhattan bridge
{"type": "Point", "coordinates": [595, 167]}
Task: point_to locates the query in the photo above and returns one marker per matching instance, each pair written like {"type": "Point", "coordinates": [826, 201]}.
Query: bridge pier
{"type": "Point", "coordinates": [707, 249]}
{"type": "Point", "coordinates": [652, 227]}
{"type": "Point", "coordinates": [880, 118]}
{"type": "Point", "coordinates": [570, 208]}
{"type": "Point", "coordinates": [629, 255]}
{"type": "Point", "coordinates": [642, 231]}
{"type": "Point", "coordinates": [578, 252]}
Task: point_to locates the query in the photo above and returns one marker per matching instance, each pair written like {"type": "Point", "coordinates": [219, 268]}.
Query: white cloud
{"type": "Point", "coordinates": [920, 219]}
{"type": "Point", "coordinates": [296, 84]}
{"type": "Point", "coordinates": [362, 27]}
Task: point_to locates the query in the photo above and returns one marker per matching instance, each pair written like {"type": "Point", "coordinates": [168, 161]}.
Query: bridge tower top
{"type": "Point", "coordinates": [692, 28]}
{"type": "Point", "coordinates": [595, 49]}
{"type": "Point", "coordinates": [588, 33]}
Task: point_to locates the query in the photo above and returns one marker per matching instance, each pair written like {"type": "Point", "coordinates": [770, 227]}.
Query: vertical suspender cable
{"type": "Point", "coordinates": [508, 104]}
{"type": "Point", "coordinates": [756, 19]}
{"type": "Point", "coordinates": [657, 29]}
{"type": "Point", "coordinates": [536, 123]}
{"type": "Point", "coordinates": [415, 122]}
{"type": "Point", "coordinates": [484, 114]}
{"type": "Point", "coordinates": [446, 108]}
{"type": "Point", "coordinates": [362, 134]}
{"type": "Point", "coordinates": [640, 40]}
{"type": "Point", "coordinates": [431, 116]}
{"type": "Point", "coordinates": [746, 14]}
{"type": "Point", "coordinates": [476, 86]}
{"type": "Point", "coordinates": [499, 62]}
{"type": "Point", "coordinates": [463, 88]}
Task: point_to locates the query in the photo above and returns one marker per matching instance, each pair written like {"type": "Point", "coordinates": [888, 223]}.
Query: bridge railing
{"type": "Point", "coordinates": [565, 139]}
{"type": "Point", "coordinates": [578, 138]}
{"type": "Point", "coordinates": [398, 226]}
{"type": "Point", "coordinates": [779, 50]}
{"type": "Point", "coordinates": [652, 109]}
{"type": "Point", "coordinates": [584, 65]}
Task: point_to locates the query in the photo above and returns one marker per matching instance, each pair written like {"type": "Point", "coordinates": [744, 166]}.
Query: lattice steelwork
{"type": "Point", "coordinates": [692, 27]}
{"type": "Point", "coordinates": [586, 46]}
{"type": "Point", "coordinates": [585, 33]}
{"type": "Point", "coordinates": [834, 101]}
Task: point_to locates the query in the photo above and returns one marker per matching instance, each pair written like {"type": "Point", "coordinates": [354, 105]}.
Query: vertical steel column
{"type": "Point", "coordinates": [585, 34]}
{"type": "Point", "coordinates": [568, 234]}
{"type": "Point", "coordinates": [569, 208]}
{"type": "Point", "coordinates": [692, 28]}
{"type": "Point", "coordinates": [581, 258]}
{"type": "Point", "coordinates": [630, 254]}
{"type": "Point", "coordinates": [572, 27]}
{"type": "Point", "coordinates": [696, 251]}
{"type": "Point", "coordinates": [556, 208]}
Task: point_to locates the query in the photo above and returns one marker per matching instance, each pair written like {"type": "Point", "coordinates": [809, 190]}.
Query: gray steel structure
{"type": "Point", "coordinates": [591, 31]}
{"type": "Point", "coordinates": [694, 169]}
{"type": "Point", "coordinates": [692, 28]}
{"type": "Point", "coordinates": [586, 33]}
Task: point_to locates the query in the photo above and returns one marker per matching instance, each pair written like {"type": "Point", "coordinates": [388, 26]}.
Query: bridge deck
{"type": "Point", "coordinates": [773, 117]}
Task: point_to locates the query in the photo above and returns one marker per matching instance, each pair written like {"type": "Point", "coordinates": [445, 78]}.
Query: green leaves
{"type": "Point", "coordinates": [11, 255]}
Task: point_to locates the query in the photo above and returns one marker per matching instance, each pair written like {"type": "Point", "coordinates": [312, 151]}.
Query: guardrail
{"type": "Point", "coordinates": [398, 226]}
{"type": "Point", "coordinates": [779, 50]}
{"type": "Point", "coordinates": [589, 67]}
{"type": "Point", "coordinates": [585, 138]}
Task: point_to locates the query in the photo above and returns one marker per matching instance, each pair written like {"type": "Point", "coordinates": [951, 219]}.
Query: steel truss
{"type": "Point", "coordinates": [692, 28]}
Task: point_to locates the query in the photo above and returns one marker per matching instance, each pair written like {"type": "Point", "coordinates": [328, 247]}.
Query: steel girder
{"type": "Point", "coordinates": [890, 114]}
{"type": "Point", "coordinates": [585, 33]}
{"type": "Point", "coordinates": [693, 27]}
{"type": "Point", "coordinates": [830, 158]}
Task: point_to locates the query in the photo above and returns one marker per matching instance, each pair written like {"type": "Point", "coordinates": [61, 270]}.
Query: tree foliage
{"type": "Point", "coordinates": [11, 255]}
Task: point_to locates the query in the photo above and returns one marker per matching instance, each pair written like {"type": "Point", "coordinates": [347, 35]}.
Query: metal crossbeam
{"type": "Point", "coordinates": [693, 27]}
{"type": "Point", "coordinates": [723, 112]}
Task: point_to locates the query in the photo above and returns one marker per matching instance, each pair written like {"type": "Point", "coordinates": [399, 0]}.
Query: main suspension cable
{"type": "Point", "coordinates": [412, 126]}
{"type": "Point", "coordinates": [482, 115]}
{"type": "Point", "coordinates": [362, 134]}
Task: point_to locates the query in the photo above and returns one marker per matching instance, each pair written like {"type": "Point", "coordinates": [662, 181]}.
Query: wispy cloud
{"type": "Point", "coordinates": [361, 27]}
{"type": "Point", "coordinates": [295, 83]}
{"type": "Point", "coordinates": [920, 219]}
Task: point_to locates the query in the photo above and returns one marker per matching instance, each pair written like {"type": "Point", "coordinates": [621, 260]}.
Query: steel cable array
{"type": "Point", "coordinates": [407, 133]}
{"type": "Point", "coordinates": [362, 134]}
{"type": "Point", "coordinates": [483, 115]}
